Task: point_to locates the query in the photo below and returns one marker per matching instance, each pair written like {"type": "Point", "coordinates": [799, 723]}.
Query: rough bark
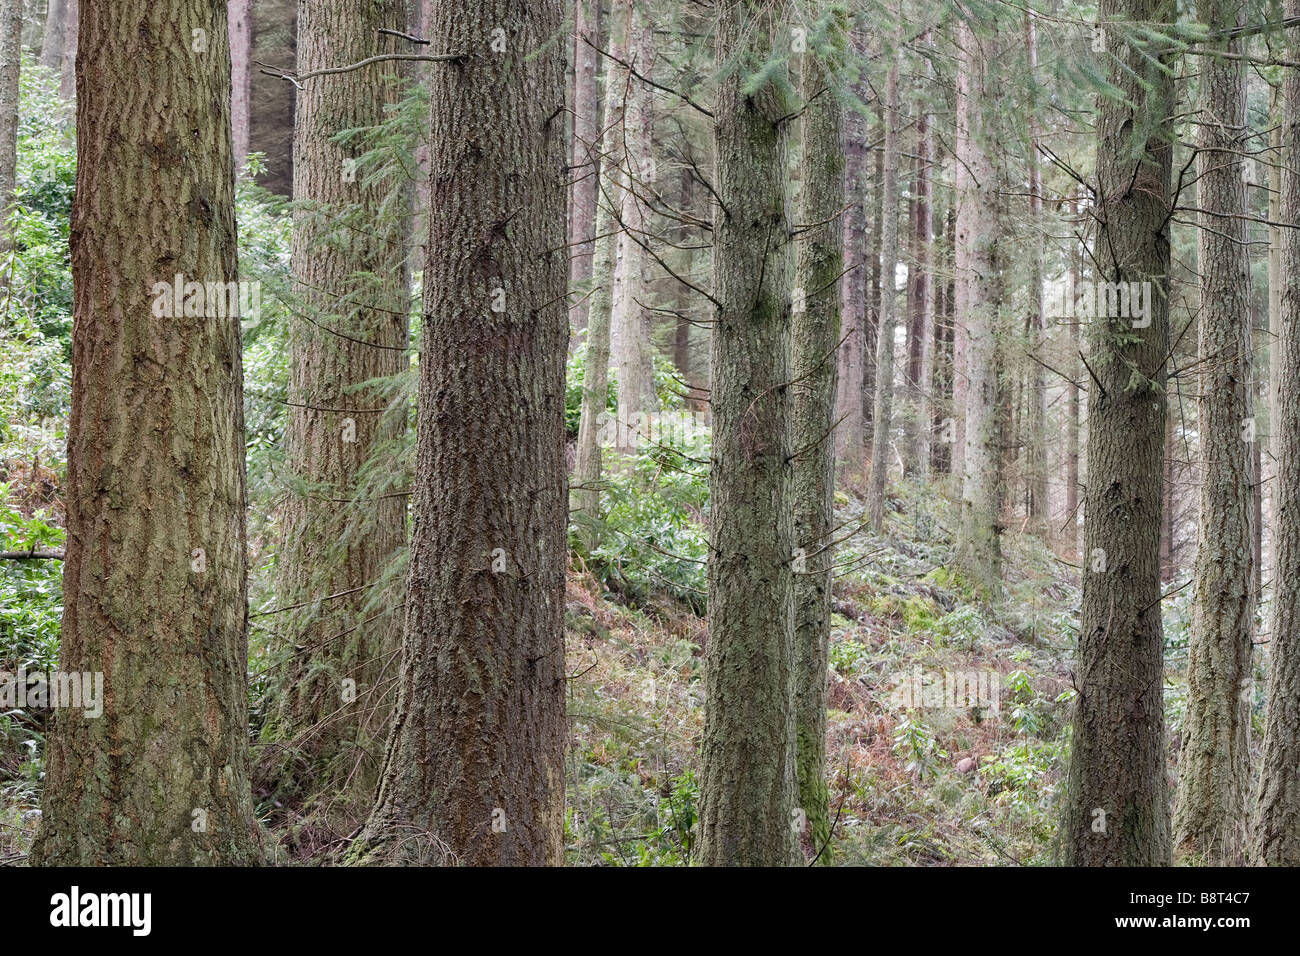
{"type": "Point", "coordinates": [882, 408]}
{"type": "Point", "coordinates": [1116, 808]}
{"type": "Point", "coordinates": [1210, 804]}
{"type": "Point", "coordinates": [1275, 835]}
{"type": "Point", "coordinates": [348, 262]}
{"type": "Point", "coordinates": [155, 568]}
{"type": "Point", "coordinates": [748, 786]}
{"type": "Point", "coordinates": [475, 765]}
{"type": "Point", "coordinates": [819, 261]}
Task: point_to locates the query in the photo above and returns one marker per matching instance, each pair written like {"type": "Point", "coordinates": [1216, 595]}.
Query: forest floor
{"type": "Point", "coordinates": [931, 784]}
{"type": "Point", "coordinates": [922, 785]}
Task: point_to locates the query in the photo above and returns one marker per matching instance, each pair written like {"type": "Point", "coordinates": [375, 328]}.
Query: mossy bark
{"type": "Point", "coordinates": [819, 258]}
{"type": "Point", "coordinates": [747, 786]}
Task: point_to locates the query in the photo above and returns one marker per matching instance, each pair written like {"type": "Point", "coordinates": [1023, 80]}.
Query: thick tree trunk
{"type": "Point", "coordinates": [1213, 773]}
{"type": "Point", "coordinates": [1117, 809]}
{"type": "Point", "coordinates": [475, 765]}
{"type": "Point", "coordinates": [882, 409]}
{"type": "Point", "coordinates": [585, 158]}
{"type": "Point", "coordinates": [1275, 836]}
{"type": "Point", "coordinates": [978, 546]}
{"type": "Point", "coordinates": [349, 268]}
{"type": "Point", "coordinates": [748, 786]}
{"type": "Point", "coordinates": [241, 53]}
{"type": "Point", "coordinates": [154, 576]}
{"type": "Point", "coordinates": [816, 332]}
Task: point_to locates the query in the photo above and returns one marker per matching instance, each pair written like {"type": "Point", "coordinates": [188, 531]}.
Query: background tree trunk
{"type": "Point", "coordinates": [595, 381]}
{"type": "Point", "coordinates": [241, 52]}
{"type": "Point", "coordinates": [585, 157]}
{"type": "Point", "coordinates": [851, 432]}
{"type": "Point", "coordinates": [56, 20]}
{"type": "Point", "coordinates": [1275, 838]}
{"type": "Point", "coordinates": [11, 51]}
{"type": "Point", "coordinates": [475, 765]}
{"type": "Point", "coordinates": [631, 351]}
{"type": "Point", "coordinates": [71, 32]}
{"type": "Point", "coordinates": [978, 545]}
{"type": "Point", "coordinates": [882, 414]}
{"type": "Point", "coordinates": [349, 268]}
{"type": "Point", "coordinates": [154, 578]}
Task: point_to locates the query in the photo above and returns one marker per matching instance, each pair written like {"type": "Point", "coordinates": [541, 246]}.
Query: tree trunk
{"type": "Point", "coordinates": [1117, 810]}
{"type": "Point", "coordinates": [1036, 459]}
{"type": "Point", "coordinates": [851, 432]}
{"type": "Point", "coordinates": [921, 325]}
{"type": "Point", "coordinates": [349, 268]}
{"type": "Point", "coordinates": [1276, 283]}
{"type": "Point", "coordinates": [585, 159]}
{"type": "Point", "coordinates": [11, 52]}
{"type": "Point", "coordinates": [632, 354]}
{"type": "Point", "coordinates": [56, 21]}
{"type": "Point", "coordinates": [1210, 805]}
{"type": "Point", "coordinates": [748, 785]}
{"type": "Point", "coordinates": [1275, 836]}
{"type": "Point", "coordinates": [271, 100]}
{"type": "Point", "coordinates": [872, 328]}
{"type": "Point", "coordinates": [816, 332]}
{"type": "Point", "coordinates": [241, 53]}
{"type": "Point", "coordinates": [595, 381]}
{"type": "Point", "coordinates": [154, 592]}
{"type": "Point", "coordinates": [1072, 411]}
{"type": "Point", "coordinates": [882, 409]}
{"type": "Point", "coordinates": [978, 545]}
{"type": "Point", "coordinates": [475, 765]}
{"type": "Point", "coordinates": [71, 30]}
